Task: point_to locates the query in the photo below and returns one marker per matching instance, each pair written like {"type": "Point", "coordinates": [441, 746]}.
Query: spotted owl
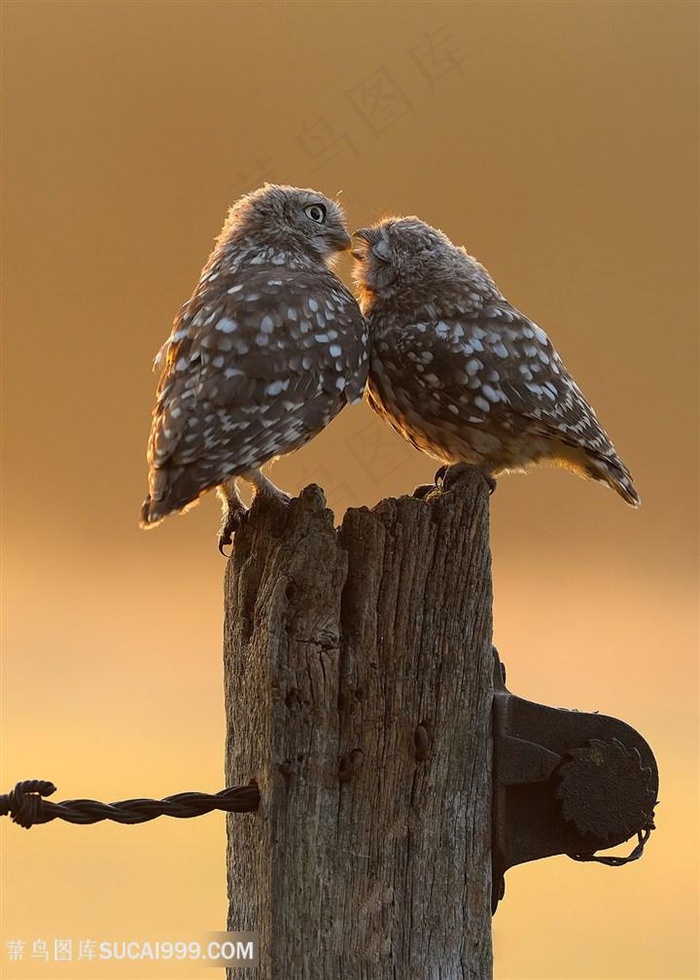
{"type": "Point", "coordinates": [264, 354]}
{"type": "Point", "coordinates": [462, 374]}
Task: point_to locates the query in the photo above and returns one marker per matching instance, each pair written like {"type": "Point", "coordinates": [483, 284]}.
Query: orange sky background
{"type": "Point", "coordinates": [559, 143]}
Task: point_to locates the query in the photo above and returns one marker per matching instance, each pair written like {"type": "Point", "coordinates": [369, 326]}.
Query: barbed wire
{"type": "Point", "coordinates": [26, 806]}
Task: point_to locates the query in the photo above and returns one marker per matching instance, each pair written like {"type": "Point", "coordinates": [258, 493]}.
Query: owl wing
{"type": "Point", "coordinates": [541, 396]}
{"type": "Point", "coordinates": [498, 364]}
{"type": "Point", "coordinates": [257, 363]}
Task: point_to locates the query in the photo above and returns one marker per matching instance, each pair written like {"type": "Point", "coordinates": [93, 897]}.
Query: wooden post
{"type": "Point", "coordinates": [358, 695]}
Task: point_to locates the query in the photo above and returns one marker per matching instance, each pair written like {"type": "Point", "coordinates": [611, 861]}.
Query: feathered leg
{"type": "Point", "coordinates": [233, 508]}
{"type": "Point", "coordinates": [265, 486]}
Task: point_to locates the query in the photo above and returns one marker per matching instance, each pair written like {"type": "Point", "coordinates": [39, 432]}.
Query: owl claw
{"type": "Point", "coordinates": [452, 475]}
{"type": "Point", "coordinates": [232, 522]}
{"type": "Point", "coordinates": [223, 541]}
{"type": "Point", "coordinates": [440, 475]}
{"type": "Point", "coordinates": [423, 490]}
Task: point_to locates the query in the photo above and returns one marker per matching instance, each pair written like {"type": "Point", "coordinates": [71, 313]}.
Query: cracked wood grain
{"type": "Point", "coordinates": [358, 674]}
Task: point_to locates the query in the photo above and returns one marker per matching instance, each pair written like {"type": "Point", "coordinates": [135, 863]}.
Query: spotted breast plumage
{"type": "Point", "coordinates": [462, 374]}
{"type": "Point", "coordinates": [265, 353]}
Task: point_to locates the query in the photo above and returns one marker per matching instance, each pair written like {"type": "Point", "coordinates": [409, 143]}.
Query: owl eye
{"type": "Point", "coordinates": [316, 212]}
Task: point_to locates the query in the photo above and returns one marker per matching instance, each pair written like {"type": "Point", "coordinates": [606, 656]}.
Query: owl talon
{"type": "Point", "coordinates": [226, 536]}
{"type": "Point", "coordinates": [423, 490]}
{"type": "Point", "coordinates": [223, 541]}
{"type": "Point", "coordinates": [232, 521]}
{"type": "Point", "coordinates": [453, 475]}
{"type": "Point", "coordinates": [440, 475]}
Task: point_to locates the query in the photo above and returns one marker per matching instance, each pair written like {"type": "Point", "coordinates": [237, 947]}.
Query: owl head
{"type": "Point", "coordinates": [405, 261]}
{"type": "Point", "coordinates": [293, 219]}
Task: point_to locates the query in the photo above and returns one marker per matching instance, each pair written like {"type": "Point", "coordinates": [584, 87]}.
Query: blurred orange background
{"type": "Point", "coordinates": [559, 143]}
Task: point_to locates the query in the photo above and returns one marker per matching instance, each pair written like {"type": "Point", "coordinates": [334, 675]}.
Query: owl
{"type": "Point", "coordinates": [462, 374]}
{"type": "Point", "coordinates": [265, 353]}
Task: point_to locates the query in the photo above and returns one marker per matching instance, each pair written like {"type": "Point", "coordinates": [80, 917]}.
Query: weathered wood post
{"type": "Point", "coordinates": [358, 695]}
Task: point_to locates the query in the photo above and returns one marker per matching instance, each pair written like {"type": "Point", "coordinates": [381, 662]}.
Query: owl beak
{"type": "Point", "coordinates": [374, 241]}
{"type": "Point", "coordinates": [340, 239]}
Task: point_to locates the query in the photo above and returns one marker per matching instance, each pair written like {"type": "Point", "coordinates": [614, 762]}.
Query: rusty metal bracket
{"type": "Point", "coordinates": [565, 782]}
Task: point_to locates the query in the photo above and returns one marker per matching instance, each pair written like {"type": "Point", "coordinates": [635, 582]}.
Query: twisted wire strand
{"type": "Point", "coordinates": [643, 836]}
{"type": "Point", "coordinates": [26, 806]}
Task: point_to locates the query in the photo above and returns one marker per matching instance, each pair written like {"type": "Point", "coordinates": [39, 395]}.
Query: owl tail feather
{"type": "Point", "coordinates": [173, 490]}
{"type": "Point", "coordinates": [154, 512]}
{"type": "Point", "coordinates": [613, 471]}
{"type": "Point", "coordinates": [151, 514]}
